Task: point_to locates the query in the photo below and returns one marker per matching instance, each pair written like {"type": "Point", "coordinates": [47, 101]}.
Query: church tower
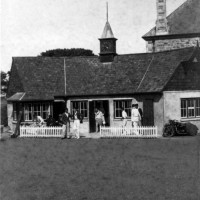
{"type": "Point", "coordinates": [161, 22]}
{"type": "Point", "coordinates": [107, 43]}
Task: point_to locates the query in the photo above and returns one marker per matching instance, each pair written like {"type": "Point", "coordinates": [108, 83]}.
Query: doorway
{"type": "Point", "coordinates": [58, 108]}
{"type": "Point", "coordinates": [148, 114]}
{"type": "Point", "coordinates": [103, 106]}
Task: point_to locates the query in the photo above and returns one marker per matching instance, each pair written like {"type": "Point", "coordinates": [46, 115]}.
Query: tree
{"type": "Point", "coordinates": [67, 52]}
{"type": "Point", "coordinates": [4, 81]}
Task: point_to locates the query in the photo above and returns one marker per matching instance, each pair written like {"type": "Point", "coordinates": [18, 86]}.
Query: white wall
{"type": "Point", "coordinates": [172, 105]}
{"type": "Point", "coordinates": [159, 115]}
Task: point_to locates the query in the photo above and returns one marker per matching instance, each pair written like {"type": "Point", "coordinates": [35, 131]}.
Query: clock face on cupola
{"type": "Point", "coordinates": [107, 43]}
{"type": "Point", "coordinates": [107, 46]}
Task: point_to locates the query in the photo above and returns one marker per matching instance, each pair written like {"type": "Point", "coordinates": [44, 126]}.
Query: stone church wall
{"type": "Point", "coordinates": [170, 44]}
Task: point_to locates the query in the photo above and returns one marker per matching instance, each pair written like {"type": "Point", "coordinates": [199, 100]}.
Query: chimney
{"type": "Point", "coordinates": [161, 22]}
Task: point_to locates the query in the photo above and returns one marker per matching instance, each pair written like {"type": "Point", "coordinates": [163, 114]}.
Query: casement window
{"type": "Point", "coordinates": [190, 108]}
{"type": "Point", "coordinates": [31, 109]}
{"type": "Point", "coordinates": [14, 112]}
{"type": "Point", "coordinates": [82, 106]}
{"type": "Point", "coordinates": [118, 104]}
{"type": "Point", "coordinates": [28, 112]}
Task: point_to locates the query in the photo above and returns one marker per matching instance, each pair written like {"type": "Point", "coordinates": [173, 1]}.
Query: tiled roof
{"type": "Point", "coordinates": [42, 78]}
{"type": "Point", "coordinates": [181, 79]}
{"type": "Point", "coordinates": [184, 20]}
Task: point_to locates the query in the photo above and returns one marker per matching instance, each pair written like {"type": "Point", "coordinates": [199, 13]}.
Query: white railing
{"type": "Point", "coordinates": [129, 132]}
{"type": "Point", "coordinates": [27, 131]}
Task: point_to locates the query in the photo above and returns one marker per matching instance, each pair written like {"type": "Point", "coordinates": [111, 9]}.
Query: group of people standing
{"type": "Point", "coordinates": [77, 117]}
{"type": "Point", "coordinates": [136, 116]}
{"type": "Point", "coordinates": [64, 120]}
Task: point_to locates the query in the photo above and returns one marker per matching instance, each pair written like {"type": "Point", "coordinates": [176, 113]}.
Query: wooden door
{"type": "Point", "coordinates": [148, 114]}
{"type": "Point", "coordinates": [92, 122]}
{"type": "Point", "coordinates": [106, 112]}
{"type": "Point", "coordinates": [58, 108]}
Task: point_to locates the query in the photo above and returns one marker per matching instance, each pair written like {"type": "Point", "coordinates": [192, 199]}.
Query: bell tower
{"type": "Point", "coordinates": [107, 43]}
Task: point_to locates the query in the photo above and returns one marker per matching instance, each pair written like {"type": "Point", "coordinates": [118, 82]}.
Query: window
{"type": "Point", "coordinates": [190, 108]}
{"type": "Point", "coordinates": [28, 112]}
{"type": "Point", "coordinates": [197, 107]}
{"type": "Point", "coordinates": [14, 111]}
{"type": "Point", "coordinates": [36, 109]}
{"type": "Point", "coordinates": [45, 111]}
{"type": "Point", "coordinates": [118, 104]}
{"type": "Point", "coordinates": [31, 109]}
{"type": "Point", "coordinates": [82, 106]}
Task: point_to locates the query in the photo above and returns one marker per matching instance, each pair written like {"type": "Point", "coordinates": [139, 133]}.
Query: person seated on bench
{"type": "Point", "coordinates": [39, 120]}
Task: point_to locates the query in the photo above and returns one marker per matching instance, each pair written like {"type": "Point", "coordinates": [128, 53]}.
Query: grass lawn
{"type": "Point", "coordinates": [112, 169]}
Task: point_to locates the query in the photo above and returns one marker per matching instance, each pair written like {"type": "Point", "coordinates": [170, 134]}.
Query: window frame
{"type": "Point", "coordinates": [190, 108]}
{"type": "Point", "coordinates": [33, 111]}
{"type": "Point", "coordinates": [82, 107]}
{"type": "Point", "coordinates": [122, 102]}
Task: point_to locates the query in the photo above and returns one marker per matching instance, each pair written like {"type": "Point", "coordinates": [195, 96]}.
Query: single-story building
{"type": "Point", "coordinates": [165, 84]}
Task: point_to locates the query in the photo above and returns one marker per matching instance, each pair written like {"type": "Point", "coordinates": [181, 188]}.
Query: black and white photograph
{"type": "Point", "coordinates": [100, 100]}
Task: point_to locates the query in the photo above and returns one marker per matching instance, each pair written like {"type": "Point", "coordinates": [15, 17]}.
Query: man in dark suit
{"type": "Point", "coordinates": [141, 114]}
{"type": "Point", "coordinates": [66, 124]}
{"type": "Point", "coordinates": [50, 121]}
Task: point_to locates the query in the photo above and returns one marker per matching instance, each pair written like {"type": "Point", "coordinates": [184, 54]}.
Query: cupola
{"type": "Point", "coordinates": [107, 43]}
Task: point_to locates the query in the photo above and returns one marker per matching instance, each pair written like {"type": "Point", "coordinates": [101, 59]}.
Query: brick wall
{"type": "Point", "coordinates": [170, 44]}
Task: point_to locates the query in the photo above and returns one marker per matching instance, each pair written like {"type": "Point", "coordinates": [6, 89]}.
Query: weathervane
{"type": "Point", "coordinates": [107, 11]}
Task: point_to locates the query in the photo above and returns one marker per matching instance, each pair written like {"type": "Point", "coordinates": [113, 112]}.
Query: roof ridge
{"type": "Point", "coordinates": [53, 57]}
{"type": "Point", "coordinates": [158, 52]}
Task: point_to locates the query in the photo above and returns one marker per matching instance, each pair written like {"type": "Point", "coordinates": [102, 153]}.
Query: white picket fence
{"type": "Point", "coordinates": [27, 131]}
{"type": "Point", "coordinates": [120, 132]}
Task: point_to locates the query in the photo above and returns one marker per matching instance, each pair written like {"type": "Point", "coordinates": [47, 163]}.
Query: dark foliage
{"type": "Point", "coordinates": [4, 81]}
{"type": "Point", "coordinates": [67, 52]}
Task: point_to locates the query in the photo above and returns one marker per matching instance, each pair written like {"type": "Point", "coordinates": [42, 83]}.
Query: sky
{"type": "Point", "coordinates": [29, 27]}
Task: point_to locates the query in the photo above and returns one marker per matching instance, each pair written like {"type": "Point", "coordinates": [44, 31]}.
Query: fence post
{"type": "Point", "coordinates": [156, 131]}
